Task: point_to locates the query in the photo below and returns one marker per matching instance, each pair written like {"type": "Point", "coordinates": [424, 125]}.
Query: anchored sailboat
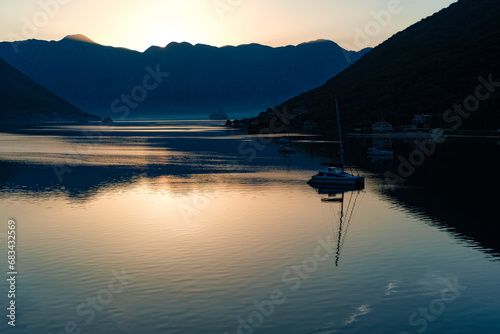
{"type": "Point", "coordinates": [335, 174]}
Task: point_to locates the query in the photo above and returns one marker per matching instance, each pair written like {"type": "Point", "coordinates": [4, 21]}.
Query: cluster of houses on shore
{"type": "Point", "coordinates": [420, 122]}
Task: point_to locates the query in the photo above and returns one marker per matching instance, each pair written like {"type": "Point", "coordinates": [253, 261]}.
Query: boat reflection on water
{"type": "Point", "coordinates": [375, 158]}
{"type": "Point", "coordinates": [340, 195]}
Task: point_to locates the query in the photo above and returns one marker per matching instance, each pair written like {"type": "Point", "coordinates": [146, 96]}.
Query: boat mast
{"type": "Point", "coordinates": [340, 136]}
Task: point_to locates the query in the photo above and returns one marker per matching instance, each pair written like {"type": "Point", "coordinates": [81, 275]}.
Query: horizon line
{"type": "Point", "coordinates": [84, 39]}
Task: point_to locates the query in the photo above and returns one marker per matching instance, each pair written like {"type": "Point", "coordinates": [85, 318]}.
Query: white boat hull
{"type": "Point", "coordinates": [377, 152]}
{"type": "Point", "coordinates": [283, 141]}
{"type": "Point", "coordinates": [381, 153]}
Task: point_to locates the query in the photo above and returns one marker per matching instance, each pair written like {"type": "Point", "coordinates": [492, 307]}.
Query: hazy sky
{"type": "Point", "coordinates": [137, 24]}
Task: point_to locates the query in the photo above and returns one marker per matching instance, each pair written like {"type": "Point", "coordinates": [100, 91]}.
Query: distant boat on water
{"type": "Point", "coordinates": [335, 174]}
{"type": "Point", "coordinates": [285, 149]}
{"type": "Point", "coordinates": [379, 149]}
{"type": "Point", "coordinates": [218, 116]}
{"type": "Point", "coordinates": [283, 140]}
{"type": "Point", "coordinates": [107, 121]}
{"type": "Point", "coordinates": [376, 151]}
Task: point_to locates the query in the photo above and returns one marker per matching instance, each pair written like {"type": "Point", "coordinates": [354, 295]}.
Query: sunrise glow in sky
{"type": "Point", "coordinates": [138, 24]}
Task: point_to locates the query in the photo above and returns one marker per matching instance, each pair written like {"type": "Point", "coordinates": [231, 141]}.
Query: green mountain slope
{"type": "Point", "coordinates": [22, 99]}
{"type": "Point", "coordinates": [426, 68]}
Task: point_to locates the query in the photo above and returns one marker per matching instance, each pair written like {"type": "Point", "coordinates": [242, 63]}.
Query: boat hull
{"type": "Point", "coordinates": [377, 152]}
{"type": "Point", "coordinates": [382, 153]}
{"type": "Point", "coordinates": [341, 181]}
{"type": "Point", "coordinates": [283, 141]}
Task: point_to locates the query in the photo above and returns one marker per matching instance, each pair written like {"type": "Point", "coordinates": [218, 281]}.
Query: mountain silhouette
{"type": "Point", "coordinates": [79, 38]}
{"type": "Point", "coordinates": [426, 68]}
{"type": "Point", "coordinates": [93, 77]}
{"type": "Point", "coordinates": [25, 100]}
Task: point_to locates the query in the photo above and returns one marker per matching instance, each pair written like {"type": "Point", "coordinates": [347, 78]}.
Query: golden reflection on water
{"type": "Point", "coordinates": [166, 217]}
{"type": "Point", "coordinates": [59, 150]}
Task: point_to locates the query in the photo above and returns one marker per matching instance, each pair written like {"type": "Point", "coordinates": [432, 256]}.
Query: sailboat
{"type": "Point", "coordinates": [335, 175]}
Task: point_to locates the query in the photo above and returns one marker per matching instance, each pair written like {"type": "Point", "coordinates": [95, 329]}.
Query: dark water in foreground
{"type": "Point", "coordinates": [187, 227]}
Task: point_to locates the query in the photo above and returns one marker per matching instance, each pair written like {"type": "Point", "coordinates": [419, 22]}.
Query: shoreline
{"type": "Point", "coordinates": [446, 133]}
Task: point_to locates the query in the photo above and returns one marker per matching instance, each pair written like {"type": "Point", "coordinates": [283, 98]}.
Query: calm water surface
{"type": "Point", "coordinates": [211, 231]}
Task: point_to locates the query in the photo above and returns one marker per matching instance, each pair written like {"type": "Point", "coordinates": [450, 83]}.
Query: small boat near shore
{"type": "Point", "coordinates": [283, 140]}
{"type": "Point", "coordinates": [373, 151]}
{"type": "Point", "coordinates": [286, 149]}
